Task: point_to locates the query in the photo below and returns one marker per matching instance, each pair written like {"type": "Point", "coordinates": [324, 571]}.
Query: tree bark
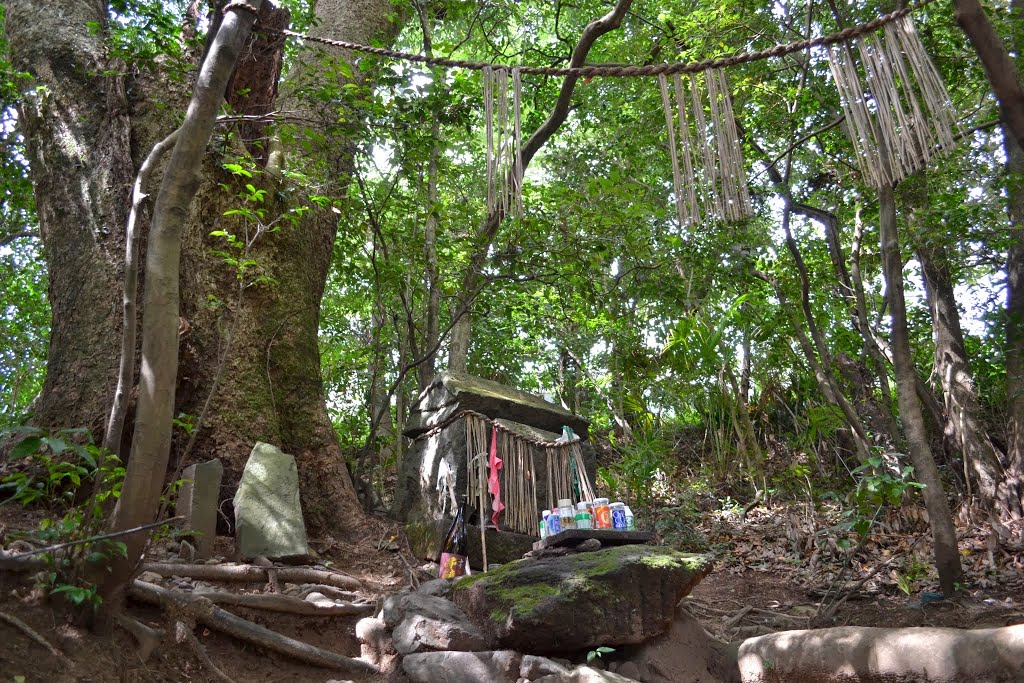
{"type": "Point", "coordinates": [1014, 464]}
{"type": "Point", "coordinates": [151, 442]}
{"type": "Point", "coordinates": [947, 558]}
{"type": "Point", "coordinates": [860, 437]}
{"type": "Point", "coordinates": [83, 161]}
{"type": "Point", "coordinates": [964, 426]}
{"type": "Point", "coordinates": [76, 129]}
{"type": "Point", "coordinates": [998, 64]}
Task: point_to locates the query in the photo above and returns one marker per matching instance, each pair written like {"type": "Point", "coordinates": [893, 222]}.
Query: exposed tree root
{"type": "Point", "coordinates": [183, 632]}
{"type": "Point", "coordinates": [147, 638]}
{"type": "Point", "coordinates": [287, 604]}
{"type": "Point", "coordinates": [866, 655]}
{"type": "Point", "coordinates": [206, 613]}
{"type": "Point", "coordinates": [250, 573]}
{"type": "Point", "coordinates": [11, 562]}
{"type": "Point", "coordinates": [31, 633]}
{"type": "Point", "coordinates": [302, 591]}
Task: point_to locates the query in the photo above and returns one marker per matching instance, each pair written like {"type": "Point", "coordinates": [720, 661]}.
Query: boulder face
{"type": "Point", "coordinates": [618, 596]}
{"type": "Point", "coordinates": [268, 512]}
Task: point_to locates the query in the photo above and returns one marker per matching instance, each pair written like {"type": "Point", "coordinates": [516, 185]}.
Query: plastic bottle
{"type": "Point", "coordinates": [566, 514]}
{"type": "Point", "coordinates": [554, 523]}
{"type": "Point", "coordinates": [544, 524]}
{"type": "Point", "coordinates": [618, 516]}
{"type": "Point", "coordinates": [630, 521]}
{"type": "Point", "coordinates": [602, 514]}
{"type": "Point", "coordinates": [453, 559]}
{"type": "Point", "coordinates": [583, 518]}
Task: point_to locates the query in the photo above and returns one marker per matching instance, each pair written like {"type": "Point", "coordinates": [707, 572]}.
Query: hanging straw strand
{"type": "Point", "coordinates": [690, 183]}
{"type": "Point", "coordinates": [677, 180]}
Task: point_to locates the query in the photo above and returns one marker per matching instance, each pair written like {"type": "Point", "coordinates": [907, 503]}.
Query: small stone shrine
{"type": "Point", "coordinates": [446, 425]}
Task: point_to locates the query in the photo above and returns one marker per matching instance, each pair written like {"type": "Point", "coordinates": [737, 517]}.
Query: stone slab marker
{"type": "Point", "coordinates": [197, 501]}
{"type": "Point", "coordinates": [268, 514]}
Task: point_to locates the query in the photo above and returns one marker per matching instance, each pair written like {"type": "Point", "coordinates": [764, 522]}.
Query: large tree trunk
{"type": "Point", "coordinates": [76, 130]}
{"type": "Point", "coordinates": [82, 169]}
{"type": "Point", "coordinates": [947, 558]}
{"type": "Point", "coordinates": [964, 426]}
{"type": "Point", "coordinates": [139, 502]}
{"type": "Point", "coordinates": [1014, 464]}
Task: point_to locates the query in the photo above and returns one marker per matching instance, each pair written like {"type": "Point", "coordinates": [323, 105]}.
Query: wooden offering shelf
{"type": "Point", "coordinates": [608, 537]}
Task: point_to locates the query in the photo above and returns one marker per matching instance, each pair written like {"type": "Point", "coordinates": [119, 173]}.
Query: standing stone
{"type": "Point", "coordinates": [268, 514]}
{"type": "Point", "coordinates": [197, 501]}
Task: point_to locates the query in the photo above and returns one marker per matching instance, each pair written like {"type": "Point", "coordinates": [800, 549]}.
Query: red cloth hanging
{"type": "Point", "coordinates": [493, 484]}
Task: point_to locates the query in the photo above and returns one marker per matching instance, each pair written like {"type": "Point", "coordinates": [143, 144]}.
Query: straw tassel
{"type": "Point", "coordinates": [911, 111]}
{"type": "Point", "coordinates": [503, 140]}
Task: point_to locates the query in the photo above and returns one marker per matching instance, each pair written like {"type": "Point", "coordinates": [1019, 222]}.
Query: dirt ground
{"type": "Point", "coordinates": [746, 595]}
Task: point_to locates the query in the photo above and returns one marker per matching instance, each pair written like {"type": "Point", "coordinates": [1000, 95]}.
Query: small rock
{"type": "Point", "coordinates": [441, 588]}
{"type": "Point", "coordinates": [589, 545]}
{"type": "Point", "coordinates": [585, 674]}
{"type": "Point", "coordinates": [397, 607]}
{"type": "Point", "coordinates": [417, 632]}
{"type": "Point", "coordinates": [501, 666]}
{"type": "Point", "coordinates": [629, 670]}
{"type": "Point", "coordinates": [214, 560]}
{"type": "Point", "coordinates": [534, 667]}
{"type": "Point", "coordinates": [393, 547]}
{"type": "Point", "coordinates": [375, 641]}
{"type": "Point", "coordinates": [150, 577]}
{"type": "Point", "coordinates": [186, 552]}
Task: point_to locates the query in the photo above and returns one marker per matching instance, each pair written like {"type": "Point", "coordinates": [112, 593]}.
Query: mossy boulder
{"type": "Point", "coordinates": [618, 596]}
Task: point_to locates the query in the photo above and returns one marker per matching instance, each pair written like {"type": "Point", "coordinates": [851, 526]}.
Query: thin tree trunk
{"type": "Point", "coordinates": [860, 437]}
{"type": "Point", "coordinates": [151, 443]}
{"type": "Point", "coordinates": [432, 272]}
{"type": "Point", "coordinates": [871, 345]}
{"type": "Point", "coordinates": [947, 558]}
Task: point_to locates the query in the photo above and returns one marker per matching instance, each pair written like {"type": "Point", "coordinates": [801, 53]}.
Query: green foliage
{"type": "Point", "coordinates": [598, 653]}
{"type": "Point", "coordinates": [643, 462]}
{"type": "Point", "coordinates": [56, 466]}
{"type": "Point", "coordinates": [53, 467]}
{"type": "Point", "coordinates": [914, 571]}
{"type": "Point", "coordinates": [881, 483]}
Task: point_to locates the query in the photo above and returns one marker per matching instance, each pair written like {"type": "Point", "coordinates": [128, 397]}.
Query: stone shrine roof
{"type": "Point", "coordinates": [451, 392]}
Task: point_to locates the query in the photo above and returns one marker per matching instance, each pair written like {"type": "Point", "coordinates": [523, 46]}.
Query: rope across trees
{"type": "Point", "coordinates": [609, 71]}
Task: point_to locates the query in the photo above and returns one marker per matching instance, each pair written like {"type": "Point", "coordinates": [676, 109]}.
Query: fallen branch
{"type": "Point", "coordinates": [206, 613]}
{"type": "Point", "coordinates": [101, 537]}
{"type": "Point", "coordinates": [827, 612]}
{"type": "Point", "coordinates": [253, 574]}
{"type": "Point", "coordinates": [31, 633]}
{"type": "Point", "coordinates": [275, 602]}
{"type": "Point", "coordinates": [736, 618]}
